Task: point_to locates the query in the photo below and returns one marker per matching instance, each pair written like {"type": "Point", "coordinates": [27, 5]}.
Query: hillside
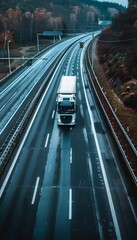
{"type": "Point", "coordinates": [31, 5]}
{"type": "Point", "coordinates": [117, 51]}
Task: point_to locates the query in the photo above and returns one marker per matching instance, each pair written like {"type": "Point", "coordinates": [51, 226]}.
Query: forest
{"type": "Point", "coordinates": [21, 22]}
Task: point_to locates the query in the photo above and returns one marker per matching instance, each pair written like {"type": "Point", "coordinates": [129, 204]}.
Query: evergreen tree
{"type": "Point", "coordinates": [132, 3]}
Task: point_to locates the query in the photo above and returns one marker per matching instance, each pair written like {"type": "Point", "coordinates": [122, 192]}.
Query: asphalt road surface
{"type": "Point", "coordinates": [66, 183]}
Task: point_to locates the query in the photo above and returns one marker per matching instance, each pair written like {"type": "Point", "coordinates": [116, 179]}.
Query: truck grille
{"type": "Point", "coordinates": [66, 119]}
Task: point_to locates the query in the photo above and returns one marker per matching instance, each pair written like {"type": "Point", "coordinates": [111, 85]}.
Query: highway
{"type": "Point", "coordinates": [28, 82]}
{"type": "Point", "coordinates": [62, 183]}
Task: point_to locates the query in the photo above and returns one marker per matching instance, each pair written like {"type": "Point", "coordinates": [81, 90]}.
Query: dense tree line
{"type": "Point", "coordinates": [30, 5]}
{"type": "Point", "coordinates": [21, 22]}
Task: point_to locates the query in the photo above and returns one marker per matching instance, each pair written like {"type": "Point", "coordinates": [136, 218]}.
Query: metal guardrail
{"type": "Point", "coordinates": [127, 148]}
{"type": "Point", "coordinates": [20, 123]}
{"type": "Point", "coordinates": [11, 140]}
{"type": "Point", "coordinates": [17, 129]}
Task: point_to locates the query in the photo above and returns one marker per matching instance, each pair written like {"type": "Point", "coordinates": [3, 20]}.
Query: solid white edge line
{"type": "Point", "coordinates": [47, 139]}
{"type": "Point", "coordinates": [17, 109]}
{"type": "Point", "coordinates": [8, 101]}
{"type": "Point", "coordinates": [114, 217]}
{"type": "Point", "coordinates": [96, 207]}
{"type": "Point", "coordinates": [25, 136]}
{"type": "Point", "coordinates": [128, 198]}
{"type": "Point", "coordinates": [70, 204]}
{"type": "Point", "coordinates": [35, 190]}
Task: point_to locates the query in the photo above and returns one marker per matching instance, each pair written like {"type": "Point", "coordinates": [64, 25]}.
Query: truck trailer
{"type": "Point", "coordinates": [66, 101]}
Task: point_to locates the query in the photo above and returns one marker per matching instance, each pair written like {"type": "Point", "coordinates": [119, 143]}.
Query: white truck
{"type": "Point", "coordinates": [66, 101]}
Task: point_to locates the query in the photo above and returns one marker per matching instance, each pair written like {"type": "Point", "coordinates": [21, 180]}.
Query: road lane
{"type": "Point", "coordinates": [111, 204]}
{"type": "Point", "coordinates": [45, 219]}
{"type": "Point", "coordinates": [62, 224]}
{"type": "Point", "coordinates": [32, 150]}
{"type": "Point", "coordinates": [10, 102]}
{"type": "Point", "coordinates": [58, 169]}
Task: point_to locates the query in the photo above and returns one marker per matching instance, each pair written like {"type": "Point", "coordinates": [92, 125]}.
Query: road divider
{"type": "Point", "coordinates": [70, 204]}
{"type": "Point", "coordinates": [22, 119]}
{"type": "Point", "coordinates": [47, 139]}
{"type": "Point", "coordinates": [53, 113]}
{"type": "Point", "coordinates": [70, 155]}
{"type": "Point", "coordinates": [35, 191]}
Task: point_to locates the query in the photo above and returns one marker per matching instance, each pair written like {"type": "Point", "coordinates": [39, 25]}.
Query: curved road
{"type": "Point", "coordinates": [64, 182]}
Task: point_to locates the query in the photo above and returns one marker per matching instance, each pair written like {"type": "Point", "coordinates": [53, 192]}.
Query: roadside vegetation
{"type": "Point", "coordinates": [116, 67]}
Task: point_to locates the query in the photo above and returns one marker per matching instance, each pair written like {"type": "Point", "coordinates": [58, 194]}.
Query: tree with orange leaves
{"type": "Point", "coordinates": [5, 33]}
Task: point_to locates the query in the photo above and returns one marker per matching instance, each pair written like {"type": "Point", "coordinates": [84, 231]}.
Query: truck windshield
{"type": "Point", "coordinates": [66, 107]}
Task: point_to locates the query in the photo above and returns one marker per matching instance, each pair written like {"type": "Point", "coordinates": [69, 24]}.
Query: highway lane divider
{"type": "Point", "coordinates": [21, 121]}
{"type": "Point", "coordinates": [22, 116]}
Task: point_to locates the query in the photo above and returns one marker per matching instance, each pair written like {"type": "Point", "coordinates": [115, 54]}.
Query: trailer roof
{"type": "Point", "coordinates": [67, 85]}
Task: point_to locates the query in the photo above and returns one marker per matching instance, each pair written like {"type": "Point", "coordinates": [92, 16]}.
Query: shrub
{"type": "Point", "coordinates": [130, 100]}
